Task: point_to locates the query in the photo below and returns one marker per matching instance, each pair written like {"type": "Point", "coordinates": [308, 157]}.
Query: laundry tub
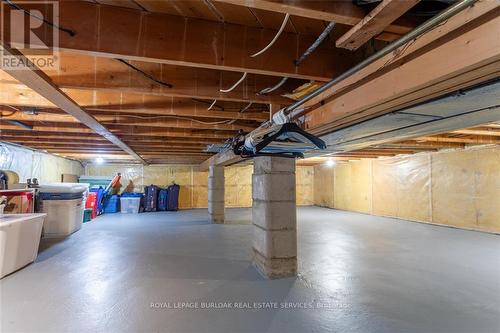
{"type": "Point", "coordinates": [64, 217]}
{"type": "Point", "coordinates": [19, 240]}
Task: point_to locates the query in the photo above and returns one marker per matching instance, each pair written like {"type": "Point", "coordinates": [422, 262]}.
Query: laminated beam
{"type": "Point", "coordinates": [116, 32]}
{"type": "Point", "coordinates": [39, 82]}
{"type": "Point", "coordinates": [374, 23]}
{"type": "Point", "coordinates": [424, 70]}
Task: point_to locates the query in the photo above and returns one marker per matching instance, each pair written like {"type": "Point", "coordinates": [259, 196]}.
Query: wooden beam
{"type": "Point", "coordinates": [427, 72]}
{"type": "Point", "coordinates": [465, 140]}
{"type": "Point", "coordinates": [225, 159]}
{"type": "Point", "coordinates": [477, 132]}
{"type": "Point", "coordinates": [93, 73]}
{"type": "Point", "coordinates": [116, 32]}
{"type": "Point", "coordinates": [374, 23]}
{"type": "Point", "coordinates": [39, 82]}
{"type": "Point", "coordinates": [343, 12]}
{"type": "Point", "coordinates": [410, 144]}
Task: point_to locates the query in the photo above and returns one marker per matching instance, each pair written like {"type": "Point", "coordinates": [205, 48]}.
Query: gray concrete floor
{"type": "Point", "coordinates": [358, 273]}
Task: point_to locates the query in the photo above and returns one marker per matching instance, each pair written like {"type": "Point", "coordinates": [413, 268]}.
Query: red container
{"type": "Point", "coordinates": [92, 203]}
{"type": "Point", "coordinates": [19, 201]}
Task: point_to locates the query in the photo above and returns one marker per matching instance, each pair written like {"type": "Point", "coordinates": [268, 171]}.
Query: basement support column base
{"type": "Point", "coordinates": [216, 194]}
{"type": "Point", "coordinates": [274, 217]}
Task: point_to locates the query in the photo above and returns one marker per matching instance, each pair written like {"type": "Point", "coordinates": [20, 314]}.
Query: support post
{"type": "Point", "coordinates": [274, 216]}
{"type": "Point", "coordinates": [216, 194]}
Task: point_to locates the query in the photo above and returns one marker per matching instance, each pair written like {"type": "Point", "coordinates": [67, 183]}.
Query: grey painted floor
{"type": "Point", "coordinates": [358, 273]}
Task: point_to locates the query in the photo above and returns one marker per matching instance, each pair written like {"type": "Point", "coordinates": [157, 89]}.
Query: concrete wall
{"type": "Point", "coordinates": [27, 163]}
{"type": "Point", "coordinates": [459, 188]}
{"type": "Point", "coordinates": [194, 184]}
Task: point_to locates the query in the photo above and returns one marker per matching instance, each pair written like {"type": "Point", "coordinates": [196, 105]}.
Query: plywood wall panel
{"type": "Point", "coordinates": [304, 179]}
{"type": "Point", "coordinates": [342, 190]}
{"type": "Point", "coordinates": [361, 186]}
{"type": "Point", "coordinates": [132, 176]}
{"type": "Point", "coordinates": [194, 183]}
{"type": "Point", "coordinates": [487, 182]}
{"type": "Point", "coordinates": [323, 186]}
{"type": "Point", "coordinates": [413, 187]}
{"type": "Point", "coordinates": [385, 188]}
{"type": "Point", "coordinates": [458, 188]}
{"type": "Point", "coordinates": [453, 188]}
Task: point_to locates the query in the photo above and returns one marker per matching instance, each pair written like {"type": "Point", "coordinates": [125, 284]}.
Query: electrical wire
{"type": "Point", "coordinates": [266, 91]}
{"type": "Point", "coordinates": [149, 76]}
{"type": "Point", "coordinates": [246, 107]}
{"type": "Point", "coordinates": [212, 105]}
{"type": "Point", "coordinates": [315, 44]}
{"type": "Point", "coordinates": [27, 12]}
{"type": "Point", "coordinates": [176, 117]}
{"type": "Point", "coordinates": [207, 102]}
{"type": "Point", "coordinates": [234, 85]}
{"type": "Point", "coordinates": [283, 25]}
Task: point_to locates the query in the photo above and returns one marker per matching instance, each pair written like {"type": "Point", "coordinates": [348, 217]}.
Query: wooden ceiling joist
{"type": "Point", "coordinates": [85, 72]}
{"type": "Point", "coordinates": [483, 132]}
{"type": "Point", "coordinates": [116, 32]}
{"type": "Point", "coordinates": [466, 140]}
{"type": "Point", "coordinates": [20, 96]}
{"type": "Point", "coordinates": [343, 12]}
{"type": "Point", "coordinates": [39, 82]}
{"type": "Point", "coordinates": [374, 23]}
{"type": "Point", "coordinates": [130, 120]}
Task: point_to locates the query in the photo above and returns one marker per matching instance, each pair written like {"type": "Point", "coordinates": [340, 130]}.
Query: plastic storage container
{"type": "Point", "coordinates": [112, 204]}
{"type": "Point", "coordinates": [63, 188]}
{"type": "Point", "coordinates": [91, 203]}
{"type": "Point", "coordinates": [19, 240]}
{"type": "Point", "coordinates": [130, 205]}
{"type": "Point", "coordinates": [64, 217]}
{"type": "Point", "coordinates": [87, 215]}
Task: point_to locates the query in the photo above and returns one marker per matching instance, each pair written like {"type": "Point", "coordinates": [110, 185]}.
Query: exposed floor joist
{"type": "Point", "coordinates": [374, 23]}
{"type": "Point", "coordinates": [343, 12]}
{"type": "Point", "coordinates": [86, 72]}
{"type": "Point", "coordinates": [39, 82]}
{"type": "Point", "coordinates": [110, 31]}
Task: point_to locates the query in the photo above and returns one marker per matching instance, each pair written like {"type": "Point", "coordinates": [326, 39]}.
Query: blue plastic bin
{"type": "Point", "coordinates": [112, 204]}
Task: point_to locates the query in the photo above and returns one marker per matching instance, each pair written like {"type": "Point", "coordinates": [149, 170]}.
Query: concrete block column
{"type": "Point", "coordinates": [216, 194]}
{"type": "Point", "coordinates": [274, 216]}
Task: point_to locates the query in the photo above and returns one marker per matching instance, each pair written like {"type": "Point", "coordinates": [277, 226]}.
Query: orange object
{"type": "Point", "coordinates": [92, 203]}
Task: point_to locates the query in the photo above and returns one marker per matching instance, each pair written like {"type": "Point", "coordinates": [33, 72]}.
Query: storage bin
{"type": "Point", "coordinates": [130, 205]}
{"type": "Point", "coordinates": [91, 203]}
{"type": "Point", "coordinates": [87, 215]}
{"type": "Point", "coordinates": [60, 196]}
{"type": "Point", "coordinates": [19, 240]}
{"type": "Point", "coordinates": [64, 217]}
{"type": "Point", "coordinates": [112, 204]}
